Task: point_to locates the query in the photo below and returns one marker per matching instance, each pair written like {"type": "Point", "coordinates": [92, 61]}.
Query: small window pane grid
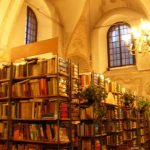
{"type": "Point", "coordinates": [31, 27]}
{"type": "Point", "coordinates": [117, 48]}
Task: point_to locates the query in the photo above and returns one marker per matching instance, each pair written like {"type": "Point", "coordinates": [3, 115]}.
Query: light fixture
{"type": "Point", "coordinates": [140, 38]}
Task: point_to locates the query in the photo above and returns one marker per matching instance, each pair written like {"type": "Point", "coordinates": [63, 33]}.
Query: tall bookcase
{"type": "Point", "coordinates": [5, 97]}
{"type": "Point", "coordinates": [40, 103]}
{"type": "Point", "coordinates": [75, 105]}
{"type": "Point", "coordinates": [92, 133]}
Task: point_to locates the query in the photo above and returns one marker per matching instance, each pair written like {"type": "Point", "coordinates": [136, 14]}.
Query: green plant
{"type": "Point", "coordinates": [93, 95]}
{"type": "Point", "coordinates": [143, 104]}
{"type": "Point", "coordinates": [128, 99]}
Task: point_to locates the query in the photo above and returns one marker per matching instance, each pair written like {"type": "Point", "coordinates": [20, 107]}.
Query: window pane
{"type": "Point", "coordinates": [118, 49]}
{"type": "Point", "coordinates": [31, 26]}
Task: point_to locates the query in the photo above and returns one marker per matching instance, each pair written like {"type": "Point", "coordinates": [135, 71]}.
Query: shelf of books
{"type": "Point", "coordinates": [40, 117]}
{"type": "Point", "coordinates": [144, 136]}
{"type": "Point", "coordinates": [75, 105]}
{"type": "Point", "coordinates": [91, 133]}
{"type": "Point", "coordinates": [5, 96]}
{"type": "Point", "coordinates": [121, 126]}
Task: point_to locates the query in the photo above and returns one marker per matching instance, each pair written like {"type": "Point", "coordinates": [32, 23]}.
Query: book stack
{"type": "Point", "coordinates": [64, 110]}
{"type": "Point", "coordinates": [4, 89]}
{"type": "Point", "coordinates": [34, 109]}
{"type": "Point", "coordinates": [4, 71]}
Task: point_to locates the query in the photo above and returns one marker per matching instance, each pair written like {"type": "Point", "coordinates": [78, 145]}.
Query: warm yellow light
{"type": "Point", "coordinates": [123, 90]}
{"type": "Point", "coordinates": [135, 33]}
{"type": "Point", "coordinates": [108, 80]}
{"type": "Point", "coordinates": [126, 38]}
{"type": "Point", "coordinates": [144, 26]}
{"type": "Point", "coordinates": [102, 77]}
{"type": "Point", "coordinates": [141, 38]}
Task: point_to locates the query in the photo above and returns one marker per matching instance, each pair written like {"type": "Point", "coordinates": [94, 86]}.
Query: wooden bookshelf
{"type": "Point", "coordinates": [40, 101]}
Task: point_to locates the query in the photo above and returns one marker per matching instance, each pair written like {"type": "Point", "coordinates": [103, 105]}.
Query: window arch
{"type": "Point", "coordinates": [118, 54]}
{"type": "Point", "coordinates": [31, 26]}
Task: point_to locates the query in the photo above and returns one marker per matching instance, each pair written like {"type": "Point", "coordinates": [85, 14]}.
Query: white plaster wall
{"type": "Point", "coordinates": [48, 27]}
{"type": "Point", "coordinates": [17, 36]}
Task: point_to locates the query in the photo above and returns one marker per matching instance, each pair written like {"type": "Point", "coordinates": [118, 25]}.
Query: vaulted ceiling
{"type": "Point", "coordinates": [70, 10]}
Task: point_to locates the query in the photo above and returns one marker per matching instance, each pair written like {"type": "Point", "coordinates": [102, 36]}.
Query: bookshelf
{"type": "Point", "coordinates": [40, 104]}
{"type": "Point", "coordinates": [143, 131]}
{"type": "Point", "coordinates": [74, 108]}
{"type": "Point", "coordinates": [5, 97]}
{"type": "Point", "coordinates": [92, 133]}
{"type": "Point", "coordinates": [122, 127]}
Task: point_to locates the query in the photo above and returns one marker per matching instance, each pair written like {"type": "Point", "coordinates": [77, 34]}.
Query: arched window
{"type": "Point", "coordinates": [118, 54]}
{"type": "Point", "coordinates": [31, 26]}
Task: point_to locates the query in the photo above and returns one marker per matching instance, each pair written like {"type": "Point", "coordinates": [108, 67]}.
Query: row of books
{"type": "Point", "coordinates": [40, 132]}
{"type": "Point", "coordinates": [89, 145]}
{"type": "Point", "coordinates": [3, 110]}
{"type": "Point", "coordinates": [34, 147]}
{"type": "Point", "coordinates": [114, 126]}
{"type": "Point", "coordinates": [114, 139]}
{"type": "Point", "coordinates": [39, 109]}
{"type": "Point", "coordinates": [3, 146]}
{"type": "Point", "coordinates": [96, 79]}
{"type": "Point", "coordinates": [112, 86]}
{"type": "Point", "coordinates": [3, 130]}
{"type": "Point", "coordinates": [86, 129]}
{"type": "Point", "coordinates": [142, 131]}
{"type": "Point", "coordinates": [74, 71]}
{"type": "Point", "coordinates": [26, 147]}
{"type": "Point", "coordinates": [4, 71]}
{"type": "Point", "coordinates": [36, 67]}
{"type": "Point", "coordinates": [129, 135]}
{"type": "Point", "coordinates": [4, 89]}
{"type": "Point", "coordinates": [40, 87]}
{"type": "Point", "coordinates": [100, 129]}
{"type": "Point", "coordinates": [87, 113]}
{"type": "Point", "coordinates": [130, 124]}
{"type": "Point", "coordinates": [89, 129]}
{"type": "Point", "coordinates": [75, 112]}
{"type": "Point", "coordinates": [74, 87]}
{"type": "Point", "coordinates": [114, 113]}
{"type": "Point", "coordinates": [130, 113]}
{"type": "Point", "coordinates": [143, 139]}
{"type": "Point", "coordinates": [85, 80]}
